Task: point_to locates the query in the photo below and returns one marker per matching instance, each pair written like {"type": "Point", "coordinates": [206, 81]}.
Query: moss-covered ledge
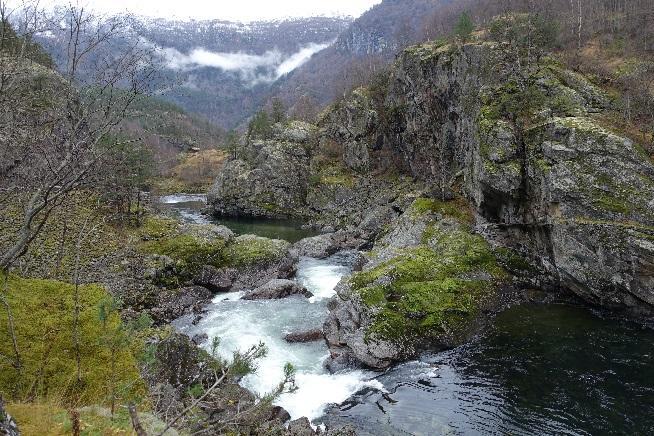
{"type": "Point", "coordinates": [190, 247]}
{"type": "Point", "coordinates": [433, 291]}
{"type": "Point", "coordinates": [425, 287]}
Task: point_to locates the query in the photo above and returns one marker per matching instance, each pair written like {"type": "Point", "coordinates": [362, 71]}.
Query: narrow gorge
{"type": "Point", "coordinates": [428, 217]}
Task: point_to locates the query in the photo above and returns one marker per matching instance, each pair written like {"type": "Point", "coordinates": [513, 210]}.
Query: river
{"type": "Point", "coordinates": [538, 369]}
{"type": "Point", "coordinates": [240, 324]}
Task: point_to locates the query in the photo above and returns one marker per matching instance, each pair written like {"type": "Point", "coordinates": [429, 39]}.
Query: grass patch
{"type": "Point", "coordinates": [43, 312]}
{"type": "Point", "coordinates": [41, 419]}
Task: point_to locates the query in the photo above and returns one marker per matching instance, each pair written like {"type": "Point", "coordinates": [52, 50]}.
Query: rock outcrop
{"type": "Point", "coordinates": [272, 181]}
{"type": "Point", "coordinates": [427, 285]}
{"type": "Point", "coordinates": [176, 270]}
{"type": "Point", "coordinates": [573, 197]}
{"type": "Point", "coordinates": [8, 426]}
{"type": "Point", "coordinates": [569, 194]}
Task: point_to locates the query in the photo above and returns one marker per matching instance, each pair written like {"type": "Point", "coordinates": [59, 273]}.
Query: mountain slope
{"type": "Point", "coordinates": [368, 44]}
{"type": "Point", "coordinates": [221, 70]}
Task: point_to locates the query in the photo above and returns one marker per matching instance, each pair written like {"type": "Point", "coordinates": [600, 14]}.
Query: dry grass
{"type": "Point", "coordinates": [195, 172]}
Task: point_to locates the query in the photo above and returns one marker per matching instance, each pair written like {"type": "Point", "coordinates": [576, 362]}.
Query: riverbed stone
{"type": "Point", "coordinates": [277, 289]}
{"type": "Point", "coordinates": [306, 336]}
{"type": "Point", "coordinates": [216, 279]}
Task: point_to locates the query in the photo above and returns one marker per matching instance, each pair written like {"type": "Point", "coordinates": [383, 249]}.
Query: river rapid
{"type": "Point", "coordinates": [240, 324]}
{"type": "Point", "coordinates": [538, 369]}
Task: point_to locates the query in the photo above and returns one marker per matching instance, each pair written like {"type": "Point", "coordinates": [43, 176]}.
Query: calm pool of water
{"type": "Point", "coordinates": [539, 369]}
{"type": "Point", "coordinates": [189, 208]}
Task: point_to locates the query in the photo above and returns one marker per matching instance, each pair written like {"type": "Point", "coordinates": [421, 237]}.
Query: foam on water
{"type": "Point", "coordinates": [240, 324]}
{"type": "Point", "coordinates": [320, 276]}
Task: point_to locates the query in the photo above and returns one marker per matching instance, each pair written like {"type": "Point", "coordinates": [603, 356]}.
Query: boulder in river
{"type": "Point", "coordinates": [277, 289]}
{"type": "Point", "coordinates": [427, 285]}
{"type": "Point", "coordinates": [307, 336]}
{"type": "Point", "coordinates": [215, 279]}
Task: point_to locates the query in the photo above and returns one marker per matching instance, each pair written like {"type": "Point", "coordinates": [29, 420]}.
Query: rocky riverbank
{"type": "Point", "coordinates": [170, 269]}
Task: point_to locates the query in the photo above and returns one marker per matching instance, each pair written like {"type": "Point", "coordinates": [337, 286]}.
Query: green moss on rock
{"type": "Point", "coordinates": [188, 251]}
{"type": "Point", "coordinates": [458, 209]}
{"type": "Point", "coordinates": [430, 291]}
{"type": "Point", "coordinates": [249, 249]}
{"type": "Point", "coordinates": [194, 246]}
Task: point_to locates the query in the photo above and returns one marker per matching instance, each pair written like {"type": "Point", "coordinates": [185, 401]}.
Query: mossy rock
{"type": "Point", "coordinates": [458, 209]}
{"type": "Point", "coordinates": [431, 292]}
{"type": "Point", "coordinates": [249, 249]}
{"type": "Point", "coordinates": [190, 252]}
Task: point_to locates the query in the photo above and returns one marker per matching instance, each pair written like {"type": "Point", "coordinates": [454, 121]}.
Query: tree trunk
{"type": "Point", "coordinates": [10, 323]}
{"type": "Point", "coordinates": [136, 423]}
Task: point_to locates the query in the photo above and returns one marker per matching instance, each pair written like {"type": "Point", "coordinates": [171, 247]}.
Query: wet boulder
{"type": "Point", "coordinates": [215, 279]}
{"type": "Point", "coordinates": [303, 337]}
{"type": "Point", "coordinates": [277, 289]}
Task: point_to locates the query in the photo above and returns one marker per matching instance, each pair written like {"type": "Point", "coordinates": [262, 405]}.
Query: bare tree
{"type": "Point", "coordinates": [56, 126]}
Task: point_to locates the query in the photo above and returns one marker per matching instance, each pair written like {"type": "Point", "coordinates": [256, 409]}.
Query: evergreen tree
{"type": "Point", "coordinates": [464, 27]}
{"type": "Point", "coordinates": [260, 126]}
{"type": "Point", "coordinates": [278, 112]}
{"type": "Point", "coordinates": [232, 144]}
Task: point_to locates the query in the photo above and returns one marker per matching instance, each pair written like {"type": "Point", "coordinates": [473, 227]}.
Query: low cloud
{"type": "Point", "coordinates": [299, 58]}
{"type": "Point", "coordinates": [254, 69]}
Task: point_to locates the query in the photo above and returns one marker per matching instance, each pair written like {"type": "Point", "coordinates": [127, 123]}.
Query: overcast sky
{"type": "Point", "coordinates": [232, 10]}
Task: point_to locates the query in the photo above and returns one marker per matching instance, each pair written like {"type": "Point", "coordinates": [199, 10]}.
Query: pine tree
{"type": "Point", "coordinates": [278, 113]}
{"type": "Point", "coordinates": [464, 27]}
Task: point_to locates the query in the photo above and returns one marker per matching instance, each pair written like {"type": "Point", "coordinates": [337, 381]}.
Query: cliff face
{"type": "Point", "coordinates": [561, 196]}
{"type": "Point", "coordinates": [566, 192]}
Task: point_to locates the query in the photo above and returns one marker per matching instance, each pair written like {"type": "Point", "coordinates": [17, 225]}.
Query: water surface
{"type": "Point", "coordinates": [189, 208]}
{"type": "Point", "coordinates": [540, 369]}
